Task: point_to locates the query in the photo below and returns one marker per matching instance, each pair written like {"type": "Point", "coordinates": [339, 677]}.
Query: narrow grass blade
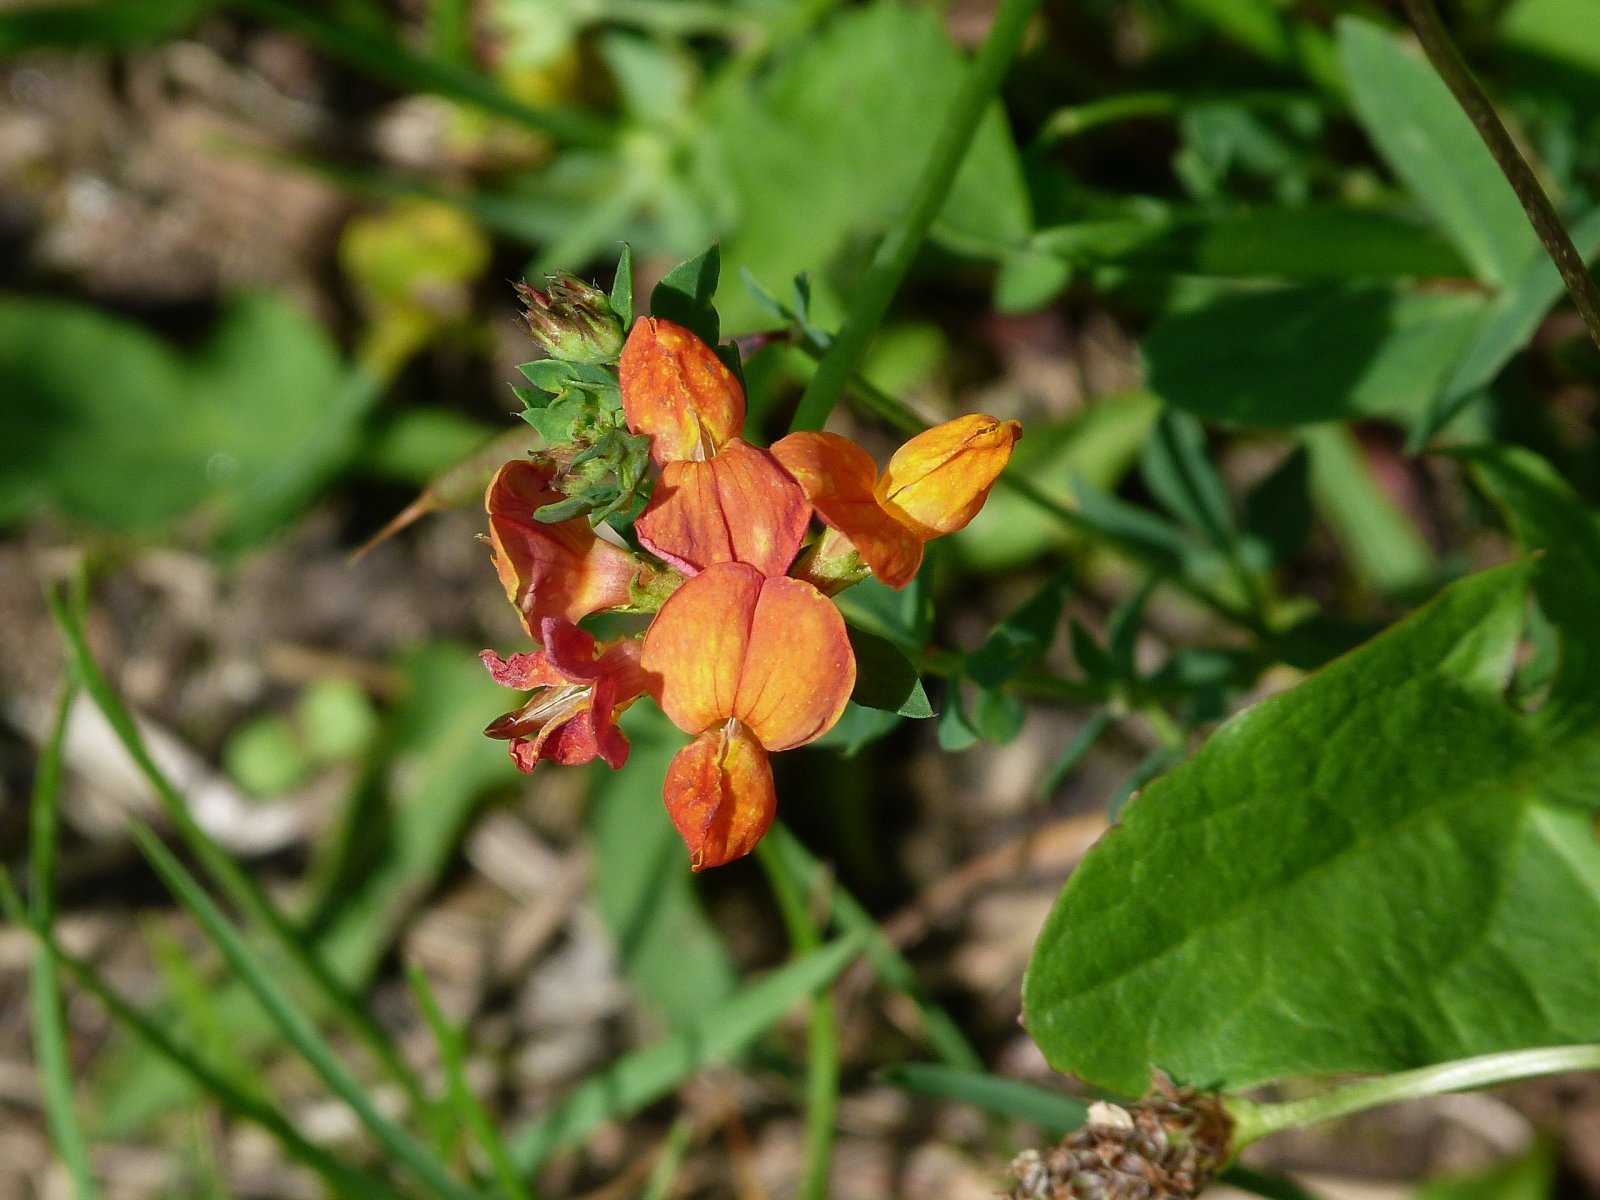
{"type": "Point", "coordinates": [1053, 1112]}
{"type": "Point", "coordinates": [944, 1035]}
{"type": "Point", "coordinates": [646, 1075]}
{"type": "Point", "coordinates": [296, 1028]}
{"type": "Point", "coordinates": [1383, 542]}
{"type": "Point", "coordinates": [900, 244]}
{"type": "Point", "coordinates": [822, 1027]}
{"type": "Point", "coordinates": [471, 1114]}
{"type": "Point", "coordinates": [667, 1166]}
{"type": "Point", "coordinates": [234, 881]}
{"type": "Point", "coordinates": [49, 1024]}
{"type": "Point", "coordinates": [393, 62]}
{"type": "Point", "coordinates": [343, 1179]}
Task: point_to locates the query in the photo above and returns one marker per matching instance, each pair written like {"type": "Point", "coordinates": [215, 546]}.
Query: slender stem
{"type": "Point", "coordinates": [49, 1024]}
{"type": "Point", "coordinates": [1447, 60]}
{"type": "Point", "coordinates": [822, 1029]}
{"type": "Point", "coordinates": [1254, 1121]}
{"type": "Point", "coordinates": [899, 246]}
{"type": "Point", "coordinates": [1080, 118]}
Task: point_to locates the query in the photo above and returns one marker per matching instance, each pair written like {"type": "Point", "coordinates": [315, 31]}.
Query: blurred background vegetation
{"type": "Point", "coordinates": [1224, 258]}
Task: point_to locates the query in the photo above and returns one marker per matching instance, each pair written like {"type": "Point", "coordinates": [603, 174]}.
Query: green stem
{"type": "Point", "coordinates": [1447, 60]}
{"type": "Point", "coordinates": [899, 246]}
{"type": "Point", "coordinates": [49, 1024]}
{"type": "Point", "coordinates": [1080, 118]}
{"type": "Point", "coordinates": [1254, 1121]}
{"type": "Point", "coordinates": [849, 915]}
{"type": "Point", "coordinates": [822, 1028]}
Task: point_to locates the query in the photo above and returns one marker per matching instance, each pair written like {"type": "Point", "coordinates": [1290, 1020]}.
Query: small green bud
{"type": "Point", "coordinates": [571, 321]}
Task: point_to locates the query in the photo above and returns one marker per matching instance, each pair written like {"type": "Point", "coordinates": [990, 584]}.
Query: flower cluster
{"type": "Point", "coordinates": [745, 650]}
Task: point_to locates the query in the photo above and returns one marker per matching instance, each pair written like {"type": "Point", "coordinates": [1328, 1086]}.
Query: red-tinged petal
{"type": "Point", "coordinates": [738, 506]}
{"type": "Point", "coordinates": [719, 794]}
{"type": "Point", "coordinates": [838, 478]}
{"type": "Point", "coordinates": [798, 668]}
{"type": "Point", "coordinates": [695, 647]}
{"type": "Point", "coordinates": [676, 390]}
{"type": "Point", "coordinates": [939, 480]}
{"type": "Point", "coordinates": [578, 688]}
{"type": "Point", "coordinates": [523, 672]}
{"type": "Point", "coordinates": [551, 570]}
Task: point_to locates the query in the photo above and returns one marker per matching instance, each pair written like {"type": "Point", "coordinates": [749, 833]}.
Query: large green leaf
{"type": "Point", "coordinates": [1297, 356]}
{"type": "Point", "coordinates": [1385, 867]}
{"type": "Point", "coordinates": [825, 153]}
{"type": "Point", "coordinates": [108, 25]}
{"type": "Point", "coordinates": [110, 425]}
{"type": "Point", "coordinates": [1431, 146]}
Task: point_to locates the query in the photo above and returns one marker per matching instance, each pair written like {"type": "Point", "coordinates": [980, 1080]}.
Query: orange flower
{"type": "Point", "coordinates": [578, 689]}
{"type": "Point", "coordinates": [748, 664]}
{"type": "Point", "coordinates": [933, 485]}
{"type": "Point", "coordinates": [738, 506]}
{"type": "Point", "coordinates": [559, 569]}
{"type": "Point", "coordinates": [676, 390]}
{"type": "Point", "coordinates": [719, 499]}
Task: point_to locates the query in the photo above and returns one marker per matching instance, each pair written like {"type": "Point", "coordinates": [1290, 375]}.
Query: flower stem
{"type": "Point", "coordinates": [900, 244]}
{"type": "Point", "coordinates": [822, 1028]}
{"type": "Point", "coordinates": [1447, 60]}
{"type": "Point", "coordinates": [1254, 1121]}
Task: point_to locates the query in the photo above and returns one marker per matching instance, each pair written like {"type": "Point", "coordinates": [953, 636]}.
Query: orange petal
{"type": "Point", "coordinates": [694, 649]}
{"type": "Point", "coordinates": [737, 506]}
{"type": "Point", "coordinates": [676, 390]}
{"type": "Point", "coordinates": [939, 480]}
{"type": "Point", "coordinates": [798, 667]}
{"type": "Point", "coordinates": [837, 476]}
{"type": "Point", "coordinates": [551, 570]}
{"type": "Point", "coordinates": [719, 794]}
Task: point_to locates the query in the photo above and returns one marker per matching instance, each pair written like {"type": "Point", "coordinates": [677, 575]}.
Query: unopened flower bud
{"type": "Point", "coordinates": [571, 321]}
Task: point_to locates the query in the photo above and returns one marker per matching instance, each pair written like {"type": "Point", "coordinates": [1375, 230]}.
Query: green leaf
{"type": "Point", "coordinates": [1074, 752]}
{"type": "Point", "coordinates": [233, 426]}
{"type": "Point", "coordinates": [1527, 1176]}
{"type": "Point", "coordinates": [1382, 540]}
{"type": "Point", "coordinates": [1505, 328]}
{"type": "Point", "coordinates": [722, 1032]}
{"type": "Point", "coordinates": [1024, 636]}
{"type": "Point", "coordinates": [1277, 510]}
{"type": "Point", "coordinates": [1431, 146]}
{"type": "Point", "coordinates": [111, 25]}
{"type": "Point", "coordinates": [685, 295]}
{"type": "Point", "coordinates": [1282, 357]}
{"type": "Point", "coordinates": [1385, 867]}
{"type": "Point", "coordinates": [1565, 30]}
{"type": "Point", "coordinates": [816, 179]}
{"type": "Point", "coordinates": [1057, 1114]}
{"type": "Point", "coordinates": [885, 678]}
{"type": "Point", "coordinates": [1180, 475]}
{"type": "Point", "coordinates": [1302, 243]}
{"type": "Point", "coordinates": [1549, 519]}
{"type": "Point", "coordinates": [622, 288]}
{"type": "Point", "coordinates": [643, 887]}
{"type": "Point", "coordinates": [858, 728]}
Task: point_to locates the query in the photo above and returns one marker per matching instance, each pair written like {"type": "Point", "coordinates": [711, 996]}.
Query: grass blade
{"type": "Point", "coordinates": [452, 1052]}
{"type": "Point", "coordinates": [344, 1179]}
{"type": "Point", "coordinates": [900, 244]}
{"type": "Point", "coordinates": [846, 912]}
{"type": "Point", "coordinates": [296, 1028]}
{"type": "Point", "coordinates": [235, 883]}
{"type": "Point", "coordinates": [822, 1026]}
{"type": "Point", "coordinates": [646, 1075]}
{"type": "Point", "coordinates": [49, 1024]}
{"type": "Point", "coordinates": [1053, 1112]}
